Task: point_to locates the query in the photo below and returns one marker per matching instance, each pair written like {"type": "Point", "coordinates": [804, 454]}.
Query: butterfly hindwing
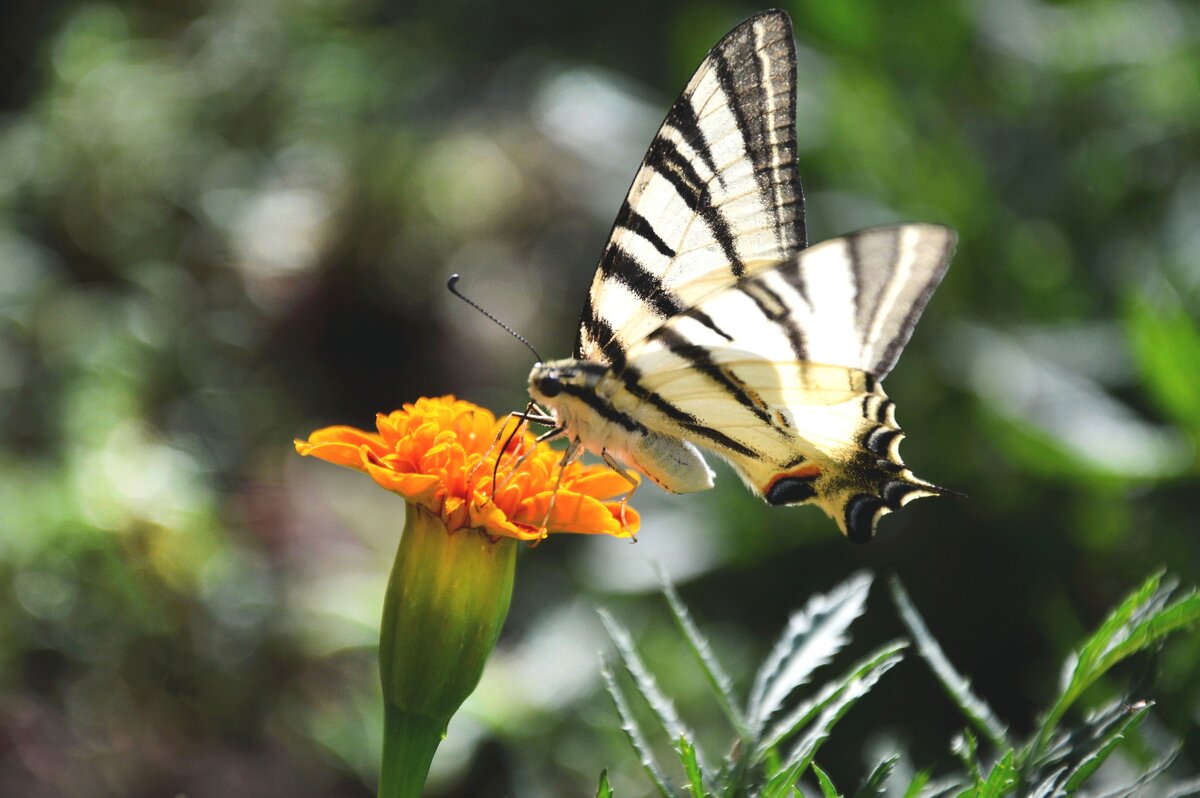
{"type": "Point", "coordinates": [717, 197]}
{"type": "Point", "coordinates": [780, 372]}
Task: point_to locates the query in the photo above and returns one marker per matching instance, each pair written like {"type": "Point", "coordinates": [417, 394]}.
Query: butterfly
{"type": "Point", "coordinates": [711, 324]}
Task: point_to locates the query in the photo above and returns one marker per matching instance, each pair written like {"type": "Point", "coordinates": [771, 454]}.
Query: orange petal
{"type": "Point", "coordinates": [420, 488]}
{"type": "Point", "coordinates": [632, 521]}
{"type": "Point", "coordinates": [601, 482]}
{"type": "Point", "coordinates": [490, 517]}
{"type": "Point", "coordinates": [455, 513]}
{"type": "Point", "coordinates": [344, 454]}
{"type": "Point", "coordinates": [346, 434]}
{"type": "Point", "coordinates": [572, 512]}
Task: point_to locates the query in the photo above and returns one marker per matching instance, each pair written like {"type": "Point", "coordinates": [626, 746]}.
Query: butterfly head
{"type": "Point", "coordinates": [549, 381]}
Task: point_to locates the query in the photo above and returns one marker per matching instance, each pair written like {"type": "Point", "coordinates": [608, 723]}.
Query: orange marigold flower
{"type": "Point", "coordinates": [440, 454]}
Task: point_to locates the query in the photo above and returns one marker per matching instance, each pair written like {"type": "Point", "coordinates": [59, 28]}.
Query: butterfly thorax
{"type": "Point", "coordinates": [567, 388]}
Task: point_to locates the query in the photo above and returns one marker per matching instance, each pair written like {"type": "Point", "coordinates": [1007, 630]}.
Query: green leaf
{"type": "Point", "coordinates": [957, 687]}
{"type": "Point", "coordinates": [604, 790]}
{"type": "Point", "coordinates": [1070, 747]}
{"type": "Point", "coordinates": [717, 678]}
{"type": "Point", "coordinates": [1166, 344]}
{"type": "Point", "coordinates": [1001, 779]}
{"type": "Point", "coordinates": [826, 784]}
{"type": "Point", "coordinates": [813, 636]}
{"type": "Point", "coordinates": [634, 732]}
{"type": "Point", "coordinates": [1092, 761]}
{"type": "Point", "coordinates": [1144, 618]}
{"type": "Point", "coordinates": [804, 751]}
{"type": "Point", "coordinates": [646, 684]}
{"type": "Point", "coordinates": [805, 712]}
{"type": "Point", "coordinates": [919, 780]}
{"type": "Point", "coordinates": [872, 785]}
{"type": "Point", "coordinates": [687, 755]}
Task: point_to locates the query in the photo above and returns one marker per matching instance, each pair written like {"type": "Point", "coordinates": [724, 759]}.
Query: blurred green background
{"type": "Point", "coordinates": [225, 224]}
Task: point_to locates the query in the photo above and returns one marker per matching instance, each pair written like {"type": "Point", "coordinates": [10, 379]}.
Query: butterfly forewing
{"type": "Point", "coordinates": [717, 197]}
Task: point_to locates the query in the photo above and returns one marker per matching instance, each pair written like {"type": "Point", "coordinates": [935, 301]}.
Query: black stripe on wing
{"type": "Point", "coordinates": [630, 376]}
{"type": "Point", "coordinates": [772, 147]}
{"type": "Point", "coordinates": [701, 360]}
{"type": "Point", "coordinates": [619, 265]}
{"type": "Point", "coordinates": [775, 310]}
{"type": "Point", "coordinates": [634, 222]}
{"type": "Point", "coordinates": [665, 158]}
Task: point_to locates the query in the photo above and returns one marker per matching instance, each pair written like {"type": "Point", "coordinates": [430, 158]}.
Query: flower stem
{"type": "Point", "coordinates": [446, 600]}
{"type": "Point", "coordinates": [409, 743]}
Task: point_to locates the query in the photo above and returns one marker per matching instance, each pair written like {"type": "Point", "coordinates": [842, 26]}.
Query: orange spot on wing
{"type": "Point", "coordinates": [806, 471]}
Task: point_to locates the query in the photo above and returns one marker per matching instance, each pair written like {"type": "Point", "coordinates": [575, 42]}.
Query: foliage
{"type": "Point", "coordinates": [768, 760]}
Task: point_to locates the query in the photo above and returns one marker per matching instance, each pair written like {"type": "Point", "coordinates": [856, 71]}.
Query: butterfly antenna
{"type": "Point", "coordinates": [452, 285]}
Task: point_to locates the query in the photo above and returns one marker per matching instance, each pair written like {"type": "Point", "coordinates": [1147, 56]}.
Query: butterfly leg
{"type": "Point", "coordinates": [574, 450]}
{"type": "Point", "coordinates": [528, 414]}
{"type": "Point", "coordinates": [617, 466]}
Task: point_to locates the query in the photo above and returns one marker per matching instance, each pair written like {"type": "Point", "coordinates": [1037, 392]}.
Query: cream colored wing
{"type": "Point", "coordinates": [718, 196]}
{"type": "Point", "coordinates": [780, 373]}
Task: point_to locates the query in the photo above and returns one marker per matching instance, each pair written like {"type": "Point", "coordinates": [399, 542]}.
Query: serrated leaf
{"type": "Point", "coordinates": [1069, 747]}
{"type": "Point", "coordinates": [872, 785]}
{"type": "Point", "coordinates": [1001, 777]}
{"type": "Point", "coordinates": [940, 787]}
{"type": "Point", "coordinates": [634, 732]}
{"type": "Point", "coordinates": [687, 756]}
{"type": "Point", "coordinates": [605, 789]}
{"type": "Point", "coordinates": [813, 636]}
{"type": "Point", "coordinates": [782, 782]}
{"type": "Point", "coordinates": [715, 674]}
{"type": "Point", "coordinates": [825, 783]}
{"type": "Point", "coordinates": [957, 687]}
{"type": "Point", "coordinates": [804, 751]}
{"type": "Point", "coordinates": [1049, 787]}
{"type": "Point", "coordinates": [1109, 743]}
{"type": "Point", "coordinates": [1145, 617]}
{"type": "Point", "coordinates": [805, 712]}
{"type": "Point", "coordinates": [646, 684]}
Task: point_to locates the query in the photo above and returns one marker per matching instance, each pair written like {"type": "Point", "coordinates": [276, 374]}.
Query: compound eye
{"type": "Point", "coordinates": [549, 386]}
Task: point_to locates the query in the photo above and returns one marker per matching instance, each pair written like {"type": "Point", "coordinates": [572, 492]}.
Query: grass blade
{"type": "Point", "coordinates": [813, 636]}
{"type": "Point", "coordinates": [957, 687]}
{"type": "Point", "coordinates": [634, 732]}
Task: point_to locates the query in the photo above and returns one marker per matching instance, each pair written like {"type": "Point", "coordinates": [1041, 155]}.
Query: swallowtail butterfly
{"type": "Point", "coordinates": [710, 323]}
